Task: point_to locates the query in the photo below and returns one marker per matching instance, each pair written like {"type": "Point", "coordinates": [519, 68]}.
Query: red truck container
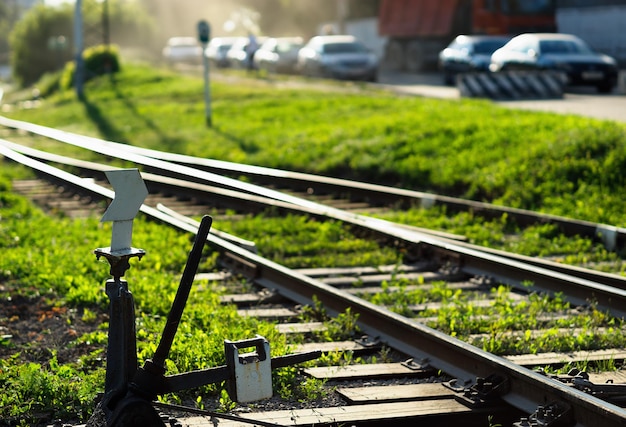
{"type": "Point", "coordinates": [418, 30]}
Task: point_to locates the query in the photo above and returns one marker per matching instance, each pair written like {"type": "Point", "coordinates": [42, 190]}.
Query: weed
{"type": "Point", "coordinates": [491, 422]}
{"type": "Point", "coordinates": [226, 404]}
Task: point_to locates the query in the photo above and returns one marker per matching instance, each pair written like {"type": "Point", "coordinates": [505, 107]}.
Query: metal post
{"type": "Point", "coordinates": [122, 344]}
{"type": "Point", "coordinates": [106, 38]}
{"type": "Point", "coordinates": [343, 7]}
{"type": "Point", "coordinates": [207, 89]}
{"type": "Point", "coordinates": [78, 48]}
{"type": "Point", "coordinates": [130, 389]}
{"type": "Point", "coordinates": [204, 35]}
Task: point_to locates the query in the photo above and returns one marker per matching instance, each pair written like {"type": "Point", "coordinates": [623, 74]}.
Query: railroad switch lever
{"type": "Point", "coordinates": [130, 390]}
{"type": "Point", "coordinates": [248, 375]}
{"type": "Point", "coordinates": [113, 409]}
{"type": "Point", "coordinates": [127, 400]}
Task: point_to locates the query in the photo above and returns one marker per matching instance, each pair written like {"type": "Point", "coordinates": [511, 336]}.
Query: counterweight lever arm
{"type": "Point", "coordinates": [184, 288]}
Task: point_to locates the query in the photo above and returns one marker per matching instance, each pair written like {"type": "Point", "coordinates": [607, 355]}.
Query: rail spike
{"type": "Point", "coordinates": [483, 392]}
{"type": "Point", "coordinates": [554, 414]}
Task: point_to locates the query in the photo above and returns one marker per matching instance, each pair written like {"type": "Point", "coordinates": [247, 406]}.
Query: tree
{"type": "Point", "coordinates": [42, 41]}
{"type": "Point", "coordinates": [126, 24]}
{"type": "Point", "coordinates": [4, 31]}
{"type": "Point", "coordinates": [37, 42]}
{"type": "Point", "coordinates": [9, 14]}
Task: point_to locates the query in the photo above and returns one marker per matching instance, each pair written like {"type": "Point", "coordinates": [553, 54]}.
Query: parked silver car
{"type": "Point", "coordinates": [278, 54]}
{"type": "Point", "coordinates": [182, 50]}
{"type": "Point", "coordinates": [217, 49]}
{"type": "Point", "coordinates": [338, 57]}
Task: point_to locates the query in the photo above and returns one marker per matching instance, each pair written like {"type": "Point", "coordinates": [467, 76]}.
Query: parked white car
{"type": "Point", "coordinates": [182, 50]}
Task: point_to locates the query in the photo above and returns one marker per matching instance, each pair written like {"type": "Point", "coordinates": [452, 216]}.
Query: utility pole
{"type": "Point", "coordinates": [343, 8]}
{"type": "Point", "coordinates": [79, 72]}
{"type": "Point", "coordinates": [204, 35]}
{"type": "Point", "coordinates": [106, 32]}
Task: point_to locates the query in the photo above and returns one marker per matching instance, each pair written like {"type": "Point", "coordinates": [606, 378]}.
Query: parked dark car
{"type": "Point", "coordinates": [468, 54]}
{"type": "Point", "coordinates": [565, 53]}
{"type": "Point", "coordinates": [278, 54]}
{"type": "Point", "coordinates": [338, 57]}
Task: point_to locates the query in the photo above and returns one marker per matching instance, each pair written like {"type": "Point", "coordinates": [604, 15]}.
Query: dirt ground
{"type": "Point", "coordinates": [37, 329]}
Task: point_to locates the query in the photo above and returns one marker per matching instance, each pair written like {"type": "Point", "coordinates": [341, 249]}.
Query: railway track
{"type": "Point", "coordinates": [474, 384]}
{"type": "Point", "coordinates": [340, 193]}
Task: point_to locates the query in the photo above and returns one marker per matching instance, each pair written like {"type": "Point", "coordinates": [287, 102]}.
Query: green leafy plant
{"type": "Point", "coordinates": [98, 60]}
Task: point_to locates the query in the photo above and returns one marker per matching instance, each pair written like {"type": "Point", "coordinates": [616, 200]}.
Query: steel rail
{"type": "Point", "coordinates": [258, 203]}
{"type": "Point", "coordinates": [527, 390]}
{"type": "Point", "coordinates": [472, 260]}
{"type": "Point", "coordinates": [613, 237]}
{"type": "Point", "coordinates": [218, 195]}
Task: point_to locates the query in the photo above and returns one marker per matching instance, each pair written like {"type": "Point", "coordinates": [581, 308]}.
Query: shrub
{"type": "Point", "coordinates": [99, 60]}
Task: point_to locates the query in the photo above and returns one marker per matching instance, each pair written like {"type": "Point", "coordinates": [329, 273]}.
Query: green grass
{"type": "Point", "coordinates": [504, 327]}
{"type": "Point", "coordinates": [290, 241]}
{"type": "Point", "coordinates": [564, 165]}
{"type": "Point", "coordinates": [539, 240]}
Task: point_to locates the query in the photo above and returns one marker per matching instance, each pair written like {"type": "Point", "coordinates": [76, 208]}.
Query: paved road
{"type": "Point", "coordinates": [5, 72]}
{"type": "Point", "coordinates": [582, 101]}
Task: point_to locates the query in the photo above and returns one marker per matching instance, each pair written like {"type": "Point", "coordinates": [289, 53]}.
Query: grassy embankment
{"type": "Point", "coordinates": [560, 164]}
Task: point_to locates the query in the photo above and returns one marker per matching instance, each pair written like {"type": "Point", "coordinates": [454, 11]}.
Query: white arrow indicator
{"type": "Point", "coordinates": [130, 192]}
